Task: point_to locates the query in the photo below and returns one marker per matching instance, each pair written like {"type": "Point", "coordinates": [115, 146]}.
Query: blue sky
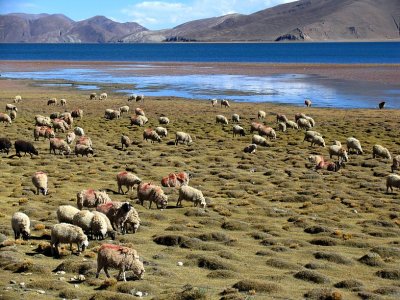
{"type": "Point", "coordinates": [151, 14]}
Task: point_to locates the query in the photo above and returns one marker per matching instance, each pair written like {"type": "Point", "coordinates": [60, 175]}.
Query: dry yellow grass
{"type": "Point", "coordinates": [273, 226]}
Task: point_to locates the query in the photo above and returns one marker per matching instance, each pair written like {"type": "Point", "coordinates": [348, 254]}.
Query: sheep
{"type": "Point", "coordinates": [392, 180]}
{"type": "Point", "coordinates": [182, 137]}
{"type": "Point", "coordinates": [236, 129]}
{"type": "Point", "coordinates": [26, 147]}
{"type": "Point", "coordinates": [117, 212]}
{"type": "Point", "coordinates": [140, 98]}
{"type": "Point", "coordinates": [254, 126]}
{"type": "Point", "coordinates": [132, 97]}
{"type": "Point", "coordinates": [21, 224]}
{"type": "Point", "coordinates": [132, 222]}
{"type": "Point", "coordinates": [151, 192]}
{"type": "Point", "coordinates": [309, 135]}
{"type": "Point", "coordinates": [124, 109]}
{"type": "Point", "coordinates": [281, 118]}
{"type": "Point", "coordinates": [139, 120]}
{"type": "Point", "coordinates": [103, 96]}
{"type": "Point", "coordinates": [281, 126]}
{"type": "Point", "coordinates": [250, 148]}
{"type": "Point", "coordinates": [380, 151]}
{"type": "Point", "coordinates": [267, 131]}
{"type": "Point", "coordinates": [59, 124]}
{"type": "Point", "coordinates": [299, 116]}
{"type": "Point", "coordinates": [139, 112]}
{"type": "Point", "coordinates": [39, 180]}
{"type": "Point", "coordinates": [259, 140]}
{"type": "Point", "coordinates": [311, 120]}
{"type": "Point", "coordinates": [83, 219]}
{"type": "Point", "coordinates": [214, 102]}
{"type": "Point", "coordinates": [119, 257]}
{"type": "Point", "coordinates": [66, 213]}
{"type": "Point", "coordinates": [316, 159]}
{"type": "Point", "coordinates": [235, 118]}
{"type": "Point", "coordinates": [91, 198]}
{"type": "Point", "coordinates": [11, 107]}
{"type": "Point", "coordinates": [54, 115]}
{"type": "Point", "coordinates": [5, 145]}
{"type": "Point", "coordinates": [225, 103]}
{"type": "Point", "coordinates": [92, 96]}
{"type": "Point", "coordinates": [101, 226]}
{"type": "Point", "coordinates": [5, 118]}
{"type": "Point", "coordinates": [221, 119]}
{"type": "Point", "coordinates": [67, 118]}
{"type": "Point", "coordinates": [42, 121]}
{"type": "Point", "coordinates": [43, 131]}
{"type": "Point", "coordinates": [67, 233]}
{"type": "Point", "coordinates": [396, 163]}
{"type": "Point", "coordinates": [381, 105]}
{"type": "Point", "coordinates": [17, 99]}
{"type": "Point", "coordinates": [77, 113]}
{"type": "Point", "coordinates": [111, 114]}
{"type": "Point", "coordinates": [353, 143]}
{"type": "Point", "coordinates": [330, 166]}
{"type": "Point", "coordinates": [261, 114]}
{"type": "Point", "coordinates": [85, 140]}
{"type": "Point", "coordinates": [83, 150]}
{"type": "Point", "coordinates": [63, 102]}
{"type": "Point", "coordinates": [162, 131]}
{"type": "Point", "coordinates": [13, 115]}
{"type": "Point", "coordinates": [52, 101]}
{"type": "Point", "coordinates": [163, 120]}
{"type": "Point", "coordinates": [307, 102]}
{"type": "Point", "coordinates": [175, 179]}
{"type": "Point", "coordinates": [125, 141]}
{"type": "Point", "coordinates": [128, 180]}
{"type": "Point", "coordinates": [314, 138]}
{"type": "Point", "coordinates": [292, 125]}
{"type": "Point", "coordinates": [304, 123]}
{"type": "Point", "coordinates": [79, 131]}
{"type": "Point", "coordinates": [60, 145]}
{"type": "Point", "coordinates": [191, 194]}
{"type": "Point", "coordinates": [338, 151]}
{"type": "Point", "coordinates": [150, 134]}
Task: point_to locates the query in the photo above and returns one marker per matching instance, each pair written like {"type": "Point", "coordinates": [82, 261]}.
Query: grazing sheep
{"type": "Point", "coordinates": [132, 97]}
{"type": "Point", "coordinates": [121, 258]}
{"type": "Point", "coordinates": [304, 124]}
{"type": "Point", "coordinates": [125, 141]}
{"type": "Point", "coordinates": [150, 134]}
{"type": "Point", "coordinates": [21, 224]}
{"type": "Point", "coordinates": [83, 150]}
{"type": "Point", "coordinates": [250, 148]}
{"type": "Point", "coordinates": [139, 120]}
{"type": "Point", "coordinates": [235, 118]}
{"type": "Point", "coordinates": [163, 120]}
{"type": "Point", "coordinates": [338, 151]}
{"type": "Point", "coordinates": [182, 137]}
{"type": "Point", "coordinates": [128, 180]}
{"type": "Point", "coordinates": [236, 129]}
{"type": "Point", "coordinates": [52, 101]}
{"type": "Point", "coordinates": [259, 140]}
{"type": "Point", "coordinates": [66, 213]}
{"type": "Point", "coordinates": [261, 115]}
{"type": "Point", "coordinates": [111, 114]}
{"type": "Point", "coordinates": [60, 145]}
{"type": "Point", "coordinates": [54, 115]}
{"type": "Point", "coordinates": [5, 145]}
{"type": "Point", "coordinates": [392, 180]}
{"type": "Point", "coordinates": [43, 131]}
{"type": "Point", "coordinates": [117, 212]}
{"type": "Point", "coordinates": [221, 119]}
{"type": "Point", "coordinates": [79, 131]}
{"type": "Point", "coordinates": [353, 143]}
{"type": "Point", "coordinates": [42, 121]}
{"type": "Point", "coordinates": [189, 193]}
{"type": "Point", "coordinates": [381, 105]}
{"type": "Point", "coordinates": [103, 96]}
{"type": "Point", "coordinates": [5, 118]}
{"type": "Point", "coordinates": [396, 163]}
{"type": "Point", "coordinates": [101, 226]}
{"type": "Point", "coordinates": [311, 120]}
{"type": "Point", "coordinates": [60, 124]}
{"type": "Point", "coordinates": [85, 140]}
{"type": "Point", "coordinates": [63, 102]}
{"type": "Point", "coordinates": [309, 135]}
{"type": "Point", "coordinates": [316, 159]}
{"type": "Point", "coordinates": [67, 233]}
{"type": "Point", "coordinates": [11, 107]}
{"type": "Point", "coordinates": [139, 112]}
{"type": "Point", "coordinates": [17, 99]}
{"type": "Point", "coordinates": [140, 98]}
{"type": "Point", "coordinates": [281, 126]}
{"type": "Point", "coordinates": [162, 131]}
{"type": "Point", "coordinates": [91, 198]}
{"type": "Point", "coordinates": [314, 138]}
{"type": "Point", "coordinates": [299, 116]}
{"type": "Point", "coordinates": [77, 113]}
{"type": "Point", "coordinates": [132, 222]}
{"type": "Point", "coordinates": [175, 179]}
{"type": "Point", "coordinates": [225, 103]}
{"type": "Point", "coordinates": [151, 192]}
{"type": "Point", "coordinates": [292, 125]}
{"type": "Point", "coordinates": [26, 147]}
{"type": "Point", "coordinates": [281, 118]}
{"type": "Point", "coordinates": [124, 109]}
{"type": "Point", "coordinates": [92, 96]}
{"type": "Point", "coordinates": [330, 166]}
{"type": "Point", "coordinates": [13, 115]}
{"type": "Point", "coordinates": [214, 102]}
{"type": "Point", "coordinates": [380, 151]}
{"type": "Point", "coordinates": [254, 126]}
{"type": "Point", "coordinates": [39, 180]}
{"type": "Point", "coordinates": [83, 219]}
{"type": "Point", "coordinates": [307, 102]}
{"type": "Point", "coordinates": [267, 131]}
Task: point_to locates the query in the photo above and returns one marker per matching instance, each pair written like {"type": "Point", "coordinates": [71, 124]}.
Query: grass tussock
{"type": "Point", "coordinates": [259, 286]}
{"type": "Point", "coordinates": [312, 276]}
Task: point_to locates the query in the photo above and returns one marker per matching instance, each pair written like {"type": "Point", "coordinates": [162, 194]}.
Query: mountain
{"type": "Point", "coordinates": [304, 20]}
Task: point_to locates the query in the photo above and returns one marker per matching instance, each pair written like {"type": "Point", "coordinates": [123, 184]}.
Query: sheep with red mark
{"type": "Point", "coordinates": [60, 124]}
{"type": "Point", "coordinates": [151, 192]}
{"type": "Point", "coordinates": [39, 180]}
{"type": "Point", "coordinates": [67, 233]}
{"type": "Point", "coordinates": [189, 193]}
{"type": "Point", "coordinates": [117, 212]}
{"type": "Point", "coordinates": [43, 131]}
{"type": "Point", "coordinates": [267, 131]}
{"type": "Point", "coordinates": [127, 179]}
{"type": "Point", "coordinates": [82, 150]}
{"type": "Point", "coordinates": [139, 112]}
{"type": "Point", "coordinates": [182, 137]}
{"type": "Point", "coordinates": [139, 120]}
{"type": "Point", "coordinates": [85, 140]}
{"type": "Point", "coordinates": [175, 179]}
{"type": "Point", "coordinates": [121, 258]}
{"type": "Point", "coordinates": [316, 159]}
{"type": "Point", "coordinates": [281, 118]}
{"type": "Point", "coordinates": [91, 198]}
{"type": "Point", "coordinates": [330, 166]}
{"type": "Point", "coordinates": [60, 145]}
{"type": "Point", "coordinates": [5, 118]}
{"type": "Point", "coordinates": [150, 134]}
{"type": "Point", "coordinates": [21, 224]}
{"type": "Point", "coordinates": [254, 126]}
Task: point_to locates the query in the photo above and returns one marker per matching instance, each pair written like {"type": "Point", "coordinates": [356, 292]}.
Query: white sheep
{"type": "Point", "coordinates": [236, 129]}
{"type": "Point", "coordinates": [11, 107]}
{"type": "Point", "coordinates": [380, 151]}
{"type": "Point", "coordinates": [101, 226]}
{"type": "Point", "coordinates": [67, 117]}
{"type": "Point", "coordinates": [259, 140]}
{"type": "Point", "coordinates": [112, 114]}
{"type": "Point", "coordinates": [103, 96]}
{"type": "Point", "coordinates": [152, 192]}
{"type": "Point", "coordinates": [189, 193]}
{"type": "Point", "coordinates": [353, 143]}
{"type": "Point", "coordinates": [67, 233]}
{"type": "Point", "coordinates": [42, 121]}
{"type": "Point", "coordinates": [5, 118]}
{"type": "Point", "coordinates": [292, 124]}
{"type": "Point", "coordinates": [79, 131]}
{"type": "Point", "coordinates": [303, 123]}
{"type": "Point", "coordinates": [91, 198]}
{"type": "Point", "coordinates": [182, 137]}
{"type": "Point", "coordinates": [117, 212]}
{"type": "Point", "coordinates": [92, 96]}
{"type": "Point", "coordinates": [128, 180]}
{"type": "Point", "coordinates": [17, 99]}
{"type": "Point", "coordinates": [311, 120]}
{"type": "Point", "coordinates": [132, 222]}
{"type": "Point", "coordinates": [125, 141]}
{"type": "Point", "coordinates": [214, 102]}
{"type": "Point", "coordinates": [396, 163]}
{"type": "Point", "coordinates": [124, 109]}
{"type": "Point", "coordinates": [163, 120]}
{"type": "Point", "coordinates": [221, 119]}
{"type": "Point", "coordinates": [119, 257]}
{"type": "Point", "coordinates": [70, 137]}
{"type": "Point", "coordinates": [235, 118]}
{"type": "Point", "coordinates": [316, 159]}
{"type": "Point", "coordinates": [63, 102]}
{"type": "Point", "coordinates": [132, 97]}
{"type": "Point", "coordinates": [60, 145]}
{"type": "Point", "coordinates": [338, 150]}
{"type": "Point", "coordinates": [314, 138]}
{"type": "Point", "coordinates": [281, 126]}
{"type": "Point", "coordinates": [250, 148]}
{"type": "Point", "coordinates": [392, 180]}
{"type": "Point", "coordinates": [307, 102]}
{"type": "Point", "coordinates": [66, 213]}
{"type": "Point", "coordinates": [83, 150]}
{"type": "Point", "coordinates": [13, 115]}
{"type": "Point", "coordinates": [162, 131]}
{"type": "Point", "coordinates": [21, 224]}
{"type": "Point", "coordinates": [83, 219]}
{"type": "Point", "coordinates": [261, 114]}
{"type": "Point", "coordinates": [39, 180]}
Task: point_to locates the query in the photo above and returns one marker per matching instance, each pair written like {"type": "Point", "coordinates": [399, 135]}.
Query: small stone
{"type": "Point", "coordinates": [81, 277]}
{"type": "Point", "coordinates": [76, 286]}
{"type": "Point", "coordinates": [72, 279]}
{"type": "Point", "coordinates": [60, 273]}
{"type": "Point", "coordinates": [354, 211]}
{"type": "Point", "coordinates": [139, 294]}
{"type": "Point", "coordinates": [180, 263]}
{"type": "Point", "coordinates": [22, 284]}
{"type": "Point", "coordinates": [61, 278]}
{"type": "Point", "coordinates": [13, 282]}
{"type": "Point", "coordinates": [41, 292]}
{"type": "Point", "coordinates": [7, 288]}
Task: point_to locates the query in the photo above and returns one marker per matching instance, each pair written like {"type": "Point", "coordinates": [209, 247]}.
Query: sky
{"type": "Point", "coordinates": [150, 14]}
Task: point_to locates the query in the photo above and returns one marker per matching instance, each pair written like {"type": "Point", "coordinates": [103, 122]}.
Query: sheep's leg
{"type": "Point", "coordinates": [99, 267]}
{"type": "Point", "coordinates": [106, 271]}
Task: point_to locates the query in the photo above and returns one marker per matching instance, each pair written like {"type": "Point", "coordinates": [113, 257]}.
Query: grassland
{"type": "Point", "coordinates": [273, 227]}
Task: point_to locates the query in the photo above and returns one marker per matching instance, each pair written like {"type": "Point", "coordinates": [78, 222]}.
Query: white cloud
{"type": "Point", "coordinates": [162, 14]}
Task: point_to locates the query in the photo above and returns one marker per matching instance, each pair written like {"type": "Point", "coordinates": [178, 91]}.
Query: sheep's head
{"type": "Point", "coordinates": [44, 191]}
{"type": "Point", "coordinates": [126, 207]}
{"type": "Point", "coordinates": [111, 234]}
{"type": "Point", "coordinates": [25, 235]}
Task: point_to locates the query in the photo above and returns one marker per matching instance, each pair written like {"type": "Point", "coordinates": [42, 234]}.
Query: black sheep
{"type": "Point", "coordinates": [26, 147]}
{"type": "Point", "coordinates": [5, 145]}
